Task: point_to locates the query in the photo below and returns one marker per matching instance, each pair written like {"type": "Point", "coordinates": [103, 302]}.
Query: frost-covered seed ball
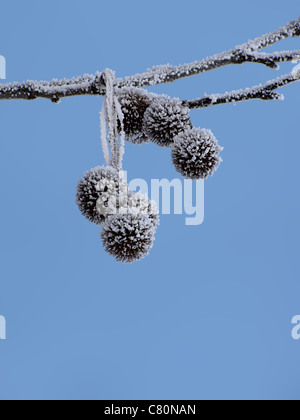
{"type": "Point", "coordinates": [89, 191]}
{"type": "Point", "coordinates": [134, 103]}
{"type": "Point", "coordinates": [165, 119]}
{"type": "Point", "coordinates": [128, 237]}
{"type": "Point", "coordinates": [196, 153]}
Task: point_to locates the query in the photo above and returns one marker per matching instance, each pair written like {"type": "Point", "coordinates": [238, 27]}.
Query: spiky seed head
{"type": "Point", "coordinates": [128, 237]}
{"type": "Point", "coordinates": [134, 103]}
{"type": "Point", "coordinates": [94, 188]}
{"type": "Point", "coordinates": [165, 119]}
{"type": "Point", "coordinates": [196, 153]}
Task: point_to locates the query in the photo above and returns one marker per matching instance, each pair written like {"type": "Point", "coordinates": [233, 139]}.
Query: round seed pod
{"type": "Point", "coordinates": [165, 119]}
{"type": "Point", "coordinates": [196, 153]}
{"type": "Point", "coordinates": [97, 185]}
{"type": "Point", "coordinates": [134, 103]}
{"type": "Point", "coordinates": [128, 237]}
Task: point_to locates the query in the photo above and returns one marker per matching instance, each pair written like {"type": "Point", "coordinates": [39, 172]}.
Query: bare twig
{"type": "Point", "coordinates": [271, 60]}
{"type": "Point", "coordinates": [264, 92]}
{"type": "Point", "coordinates": [54, 90]}
{"type": "Point", "coordinates": [169, 74]}
{"type": "Point", "coordinates": [93, 84]}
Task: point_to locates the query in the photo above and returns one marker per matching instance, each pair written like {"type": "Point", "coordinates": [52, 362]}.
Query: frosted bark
{"type": "Point", "coordinates": [264, 92]}
{"type": "Point", "coordinates": [94, 84]}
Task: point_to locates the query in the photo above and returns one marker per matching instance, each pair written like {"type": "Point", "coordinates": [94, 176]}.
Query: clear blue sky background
{"type": "Point", "coordinates": [208, 314]}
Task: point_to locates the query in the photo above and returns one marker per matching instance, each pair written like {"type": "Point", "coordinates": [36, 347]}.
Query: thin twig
{"type": "Point", "coordinates": [264, 92]}
{"type": "Point", "coordinates": [169, 74]}
{"type": "Point", "coordinates": [93, 84]}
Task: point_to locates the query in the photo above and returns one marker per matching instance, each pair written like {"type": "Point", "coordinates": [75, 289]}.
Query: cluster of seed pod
{"type": "Point", "coordinates": [130, 220]}
{"type": "Point", "coordinates": [166, 122]}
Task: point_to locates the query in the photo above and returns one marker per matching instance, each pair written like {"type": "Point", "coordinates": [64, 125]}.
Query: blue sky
{"type": "Point", "coordinates": [208, 314]}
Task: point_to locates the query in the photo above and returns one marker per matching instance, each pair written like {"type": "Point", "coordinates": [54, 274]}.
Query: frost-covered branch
{"type": "Point", "coordinates": [94, 84]}
{"type": "Point", "coordinates": [264, 92]}
{"type": "Point", "coordinates": [169, 74]}
{"type": "Point", "coordinates": [54, 90]}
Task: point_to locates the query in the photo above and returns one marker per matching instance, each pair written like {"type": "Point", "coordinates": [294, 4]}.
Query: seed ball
{"type": "Point", "coordinates": [134, 103]}
{"type": "Point", "coordinates": [165, 119]}
{"type": "Point", "coordinates": [128, 237]}
{"type": "Point", "coordinates": [196, 153]}
{"type": "Point", "coordinates": [96, 185]}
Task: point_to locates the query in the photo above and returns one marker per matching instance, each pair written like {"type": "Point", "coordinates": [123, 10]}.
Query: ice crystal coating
{"type": "Point", "coordinates": [139, 203]}
{"type": "Point", "coordinates": [165, 119]}
{"type": "Point", "coordinates": [134, 103]}
{"type": "Point", "coordinates": [94, 191]}
{"type": "Point", "coordinates": [128, 237]}
{"type": "Point", "coordinates": [196, 153]}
